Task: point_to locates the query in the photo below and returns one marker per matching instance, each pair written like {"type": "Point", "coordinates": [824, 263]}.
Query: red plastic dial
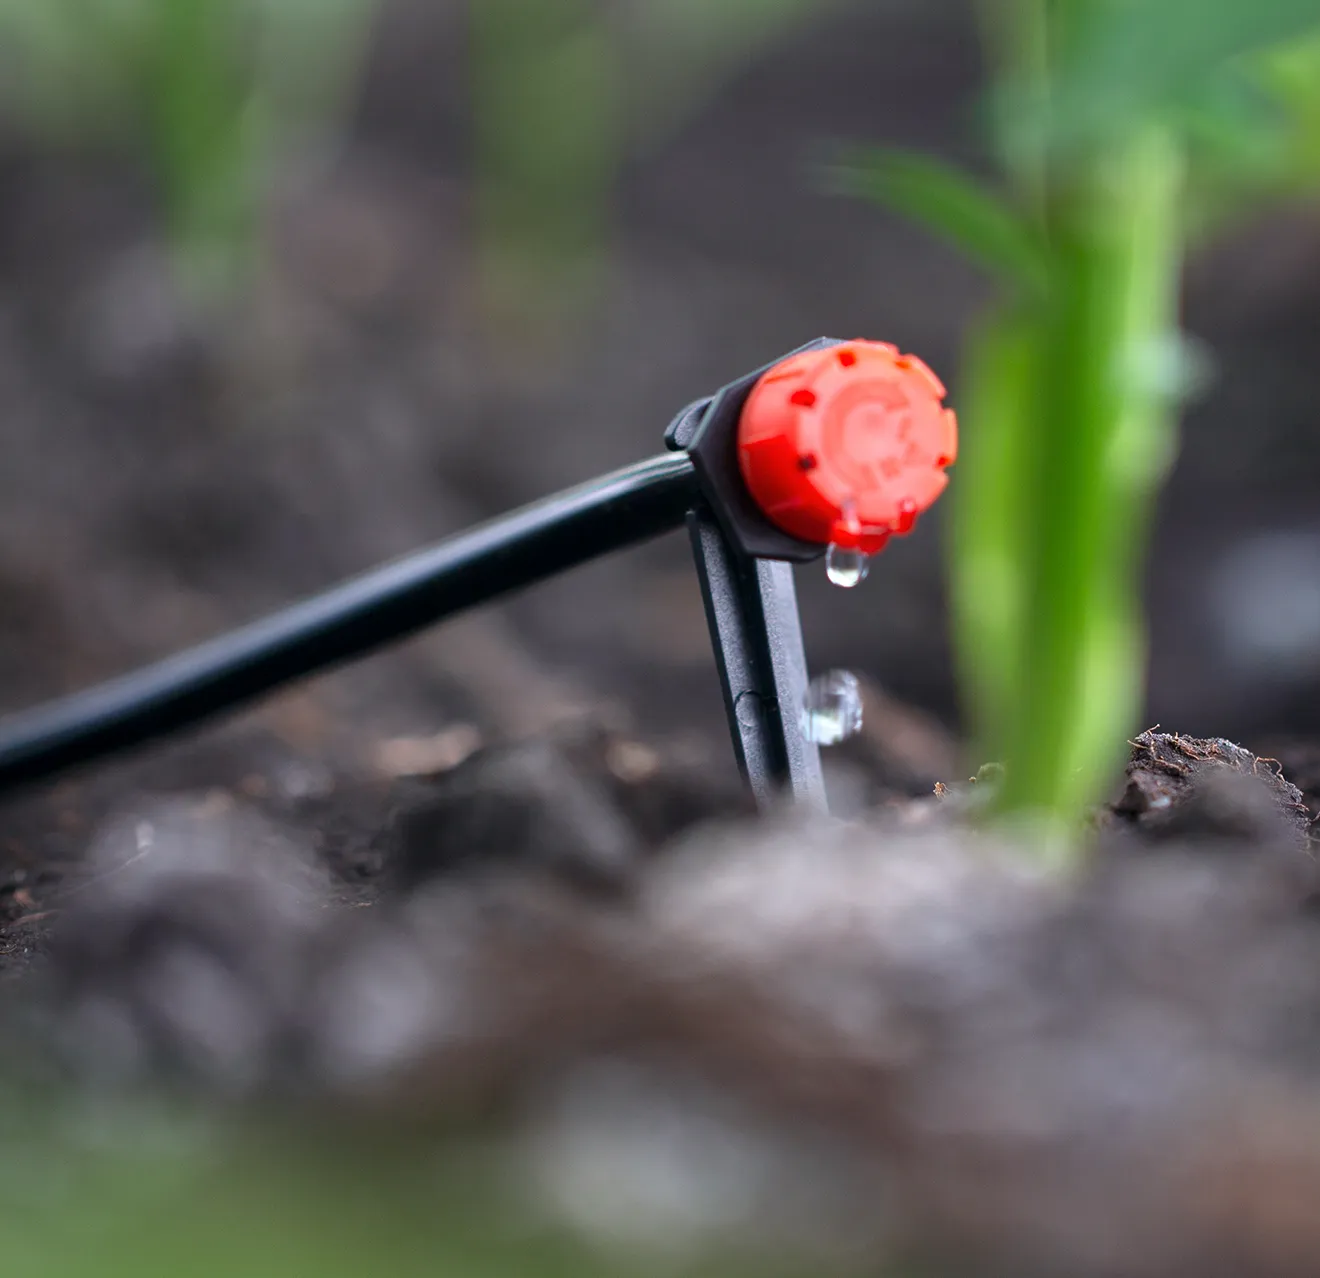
{"type": "Point", "coordinates": [848, 444]}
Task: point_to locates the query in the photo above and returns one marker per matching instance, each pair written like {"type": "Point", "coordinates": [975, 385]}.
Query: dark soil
{"type": "Point", "coordinates": [935, 1052]}
{"type": "Point", "coordinates": [1180, 787]}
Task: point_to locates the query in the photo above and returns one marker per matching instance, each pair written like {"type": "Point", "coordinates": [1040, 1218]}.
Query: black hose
{"type": "Point", "coordinates": [383, 605]}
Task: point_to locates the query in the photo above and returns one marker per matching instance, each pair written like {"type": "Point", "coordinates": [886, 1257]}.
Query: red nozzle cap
{"type": "Point", "coordinates": [848, 444]}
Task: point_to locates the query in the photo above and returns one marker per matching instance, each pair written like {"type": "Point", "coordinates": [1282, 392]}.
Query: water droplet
{"type": "Point", "coordinates": [846, 568]}
{"type": "Point", "coordinates": [832, 708]}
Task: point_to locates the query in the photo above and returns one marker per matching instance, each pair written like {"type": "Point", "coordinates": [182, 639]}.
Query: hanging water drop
{"type": "Point", "coordinates": [846, 567]}
{"type": "Point", "coordinates": [832, 708]}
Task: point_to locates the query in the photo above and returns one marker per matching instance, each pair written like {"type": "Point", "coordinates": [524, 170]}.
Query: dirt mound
{"type": "Point", "coordinates": [867, 1042]}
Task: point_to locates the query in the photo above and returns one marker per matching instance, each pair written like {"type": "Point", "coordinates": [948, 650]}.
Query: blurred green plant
{"type": "Point", "coordinates": [211, 92]}
{"type": "Point", "coordinates": [548, 135]}
{"type": "Point", "coordinates": [215, 94]}
{"type": "Point", "coordinates": [110, 1186]}
{"type": "Point", "coordinates": [1125, 129]}
{"type": "Point", "coordinates": [563, 91]}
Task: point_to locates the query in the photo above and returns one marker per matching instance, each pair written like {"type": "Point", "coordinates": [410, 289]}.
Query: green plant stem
{"type": "Point", "coordinates": [989, 529]}
{"type": "Point", "coordinates": [1069, 388]}
{"type": "Point", "coordinates": [1097, 442]}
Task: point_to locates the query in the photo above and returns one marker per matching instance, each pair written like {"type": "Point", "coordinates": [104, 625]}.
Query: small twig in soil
{"type": "Point", "coordinates": [38, 917]}
{"type": "Point", "coordinates": [145, 837]}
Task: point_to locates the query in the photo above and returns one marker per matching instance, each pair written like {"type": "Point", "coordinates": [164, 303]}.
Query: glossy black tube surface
{"type": "Point", "coordinates": [386, 604]}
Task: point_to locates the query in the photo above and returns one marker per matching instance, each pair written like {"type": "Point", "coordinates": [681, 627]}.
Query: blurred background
{"type": "Point", "coordinates": [288, 287]}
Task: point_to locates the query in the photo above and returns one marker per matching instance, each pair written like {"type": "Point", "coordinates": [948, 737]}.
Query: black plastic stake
{"type": "Point", "coordinates": [751, 608]}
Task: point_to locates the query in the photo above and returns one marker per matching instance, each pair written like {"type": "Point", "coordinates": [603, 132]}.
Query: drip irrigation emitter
{"type": "Point", "coordinates": [829, 451]}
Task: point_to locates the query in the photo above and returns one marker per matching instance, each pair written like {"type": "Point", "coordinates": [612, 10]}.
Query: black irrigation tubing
{"type": "Point", "coordinates": [355, 618]}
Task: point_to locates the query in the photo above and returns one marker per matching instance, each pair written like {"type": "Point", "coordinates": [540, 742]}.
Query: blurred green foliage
{"type": "Point", "coordinates": [563, 91]}
{"type": "Point", "coordinates": [1124, 130]}
{"type": "Point", "coordinates": [683, 50]}
{"type": "Point", "coordinates": [113, 1187]}
{"type": "Point", "coordinates": [213, 94]}
{"type": "Point", "coordinates": [547, 113]}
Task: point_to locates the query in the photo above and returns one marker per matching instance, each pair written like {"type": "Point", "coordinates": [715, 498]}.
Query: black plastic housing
{"type": "Point", "coordinates": [708, 430]}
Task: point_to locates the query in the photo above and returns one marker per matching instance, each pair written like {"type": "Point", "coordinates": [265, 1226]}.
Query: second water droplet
{"type": "Point", "coordinates": [846, 568]}
{"type": "Point", "coordinates": [832, 708]}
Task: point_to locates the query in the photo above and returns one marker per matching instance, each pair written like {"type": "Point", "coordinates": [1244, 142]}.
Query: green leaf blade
{"type": "Point", "coordinates": [1125, 62]}
{"type": "Point", "coordinates": [949, 203]}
